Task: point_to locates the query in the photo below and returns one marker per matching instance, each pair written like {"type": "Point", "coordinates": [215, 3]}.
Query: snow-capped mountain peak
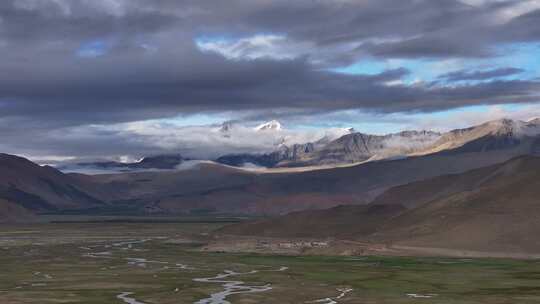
{"type": "Point", "coordinates": [273, 125]}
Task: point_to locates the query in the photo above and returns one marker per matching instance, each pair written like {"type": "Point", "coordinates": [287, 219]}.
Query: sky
{"type": "Point", "coordinates": [120, 79]}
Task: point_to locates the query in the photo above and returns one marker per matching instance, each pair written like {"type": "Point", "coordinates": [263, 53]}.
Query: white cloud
{"type": "Point", "coordinates": [254, 47]}
{"type": "Point", "coordinates": [467, 118]}
{"type": "Point", "coordinates": [208, 141]}
{"type": "Point", "coordinates": [506, 14]}
{"type": "Point", "coordinates": [50, 159]}
{"type": "Point", "coordinates": [278, 47]}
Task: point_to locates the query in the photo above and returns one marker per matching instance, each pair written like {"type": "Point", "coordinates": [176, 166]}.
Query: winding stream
{"type": "Point", "coordinates": [344, 292]}
{"type": "Point", "coordinates": [230, 287]}
{"type": "Point", "coordinates": [124, 296]}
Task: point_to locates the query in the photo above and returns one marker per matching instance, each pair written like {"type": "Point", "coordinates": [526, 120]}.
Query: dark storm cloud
{"type": "Point", "coordinates": [47, 22]}
{"type": "Point", "coordinates": [141, 58]}
{"type": "Point", "coordinates": [523, 28]}
{"type": "Point", "coordinates": [431, 47]}
{"type": "Point", "coordinates": [480, 75]}
{"type": "Point", "coordinates": [258, 84]}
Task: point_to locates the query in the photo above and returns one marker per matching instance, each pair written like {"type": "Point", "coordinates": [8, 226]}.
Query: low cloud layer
{"type": "Point", "coordinates": [128, 142]}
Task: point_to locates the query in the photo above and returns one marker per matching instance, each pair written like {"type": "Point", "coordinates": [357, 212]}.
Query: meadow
{"type": "Point", "coordinates": [151, 263]}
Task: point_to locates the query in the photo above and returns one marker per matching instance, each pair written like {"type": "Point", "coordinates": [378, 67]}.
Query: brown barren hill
{"type": "Point", "coordinates": [40, 188]}
{"type": "Point", "coordinates": [492, 209]}
{"type": "Point", "coordinates": [341, 222]}
{"type": "Point", "coordinates": [11, 212]}
{"type": "Point", "coordinates": [498, 209]}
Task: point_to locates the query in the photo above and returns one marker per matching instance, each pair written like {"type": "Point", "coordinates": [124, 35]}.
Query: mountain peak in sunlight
{"type": "Point", "coordinates": [270, 125]}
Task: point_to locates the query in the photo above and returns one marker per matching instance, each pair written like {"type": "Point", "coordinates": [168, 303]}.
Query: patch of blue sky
{"type": "Point", "coordinates": [202, 39]}
{"type": "Point", "coordinates": [479, 109]}
{"type": "Point", "coordinates": [370, 127]}
{"type": "Point", "coordinates": [487, 112]}
{"type": "Point", "coordinates": [378, 127]}
{"type": "Point", "coordinates": [196, 119]}
{"type": "Point", "coordinates": [93, 49]}
{"type": "Point", "coordinates": [368, 66]}
{"type": "Point", "coordinates": [525, 56]}
{"type": "Point", "coordinates": [370, 122]}
{"type": "Point", "coordinates": [360, 120]}
{"type": "Point", "coordinates": [450, 112]}
{"type": "Point", "coordinates": [232, 37]}
{"type": "Point", "coordinates": [425, 70]}
{"type": "Point", "coordinates": [420, 69]}
{"type": "Point", "coordinates": [515, 107]}
{"type": "Point", "coordinates": [381, 123]}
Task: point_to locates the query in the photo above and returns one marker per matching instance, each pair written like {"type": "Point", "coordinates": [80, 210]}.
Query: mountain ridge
{"type": "Point", "coordinates": [217, 189]}
{"type": "Point", "coordinates": [360, 147]}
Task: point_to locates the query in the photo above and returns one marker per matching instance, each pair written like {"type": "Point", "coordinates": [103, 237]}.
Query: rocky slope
{"type": "Point", "coordinates": [360, 147]}
{"type": "Point", "coordinates": [501, 134]}
{"type": "Point", "coordinates": [350, 148]}
{"type": "Point", "coordinates": [295, 153]}
{"type": "Point", "coordinates": [493, 135]}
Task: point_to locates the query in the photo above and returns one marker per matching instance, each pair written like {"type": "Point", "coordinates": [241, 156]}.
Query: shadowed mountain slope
{"type": "Point", "coordinates": [498, 209]}
{"type": "Point", "coordinates": [40, 189]}
{"type": "Point", "coordinates": [12, 212]}
{"type": "Point", "coordinates": [492, 209]}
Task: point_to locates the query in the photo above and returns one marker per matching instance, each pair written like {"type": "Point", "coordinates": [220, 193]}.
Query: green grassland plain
{"type": "Point", "coordinates": [158, 262]}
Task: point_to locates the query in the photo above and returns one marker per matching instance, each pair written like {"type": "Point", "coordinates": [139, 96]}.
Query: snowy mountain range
{"type": "Point", "coordinates": [271, 145]}
{"type": "Point", "coordinates": [358, 147]}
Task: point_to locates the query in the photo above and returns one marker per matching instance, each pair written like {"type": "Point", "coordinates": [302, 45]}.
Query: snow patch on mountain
{"type": "Point", "coordinates": [273, 125]}
{"type": "Point", "coordinates": [518, 128]}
